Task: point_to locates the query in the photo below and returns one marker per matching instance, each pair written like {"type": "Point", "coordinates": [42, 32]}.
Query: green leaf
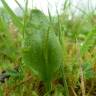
{"type": "Point", "coordinates": [45, 65]}
{"type": "Point", "coordinates": [43, 52]}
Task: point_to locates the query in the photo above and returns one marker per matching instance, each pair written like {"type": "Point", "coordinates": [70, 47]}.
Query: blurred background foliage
{"type": "Point", "coordinates": [77, 32]}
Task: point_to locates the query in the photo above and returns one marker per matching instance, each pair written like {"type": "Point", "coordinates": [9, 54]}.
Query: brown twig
{"type": "Point", "coordinates": [73, 91]}
{"type": "Point", "coordinates": [81, 71]}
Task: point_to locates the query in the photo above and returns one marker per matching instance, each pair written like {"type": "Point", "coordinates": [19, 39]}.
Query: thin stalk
{"type": "Point", "coordinates": [61, 40]}
{"type": "Point", "coordinates": [82, 80]}
{"type": "Point", "coordinates": [81, 72]}
{"type": "Point", "coordinates": [45, 46]}
{"type": "Point", "coordinates": [50, 18]}
{"type": "Point", "coordinates": [25, 18]}
{"type": "Point", "coordinates": [73, 91]}
{"type": "Point", "coordinates": [59, 25]}
{"type": "Point", "coordinates": [19, 4]}
{"type": "Point", "coordinates": [66, 91]}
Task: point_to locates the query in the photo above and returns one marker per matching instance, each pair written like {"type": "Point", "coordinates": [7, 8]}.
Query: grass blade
{"type": "Point", "coordinates": [15, 19]}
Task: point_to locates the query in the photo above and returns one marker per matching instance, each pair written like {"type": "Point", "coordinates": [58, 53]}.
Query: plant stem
{"type": "Point", "coordinates": [81, 71]}
{"type": "Point", "coordinates": [82, 81]}
{"type": "Point", "coordinates": [73, 91]}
